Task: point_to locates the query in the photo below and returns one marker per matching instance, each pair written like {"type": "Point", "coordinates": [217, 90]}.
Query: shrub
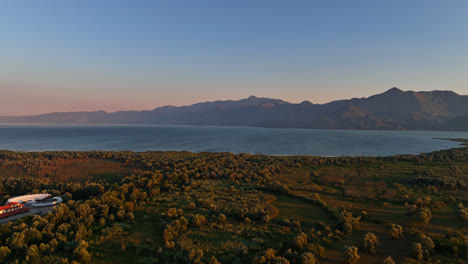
{"type": "Point", "coordinates": [221, 219]}
{"type": "Point", "coordinates": [396, 231]}
{"type": "Point", "coordinates": [463, 212]}
{"type": "Point", "coordinates": [195, 256]}
{"type": "Point", "coordinates": [270, 257]}
{"type": "Point", "coordinates": [198, 220]}
{"type": "Point", "coordinates": [192, 206]}
{"type": "Point", "coordinates": [169, 244]}
{"type": "Point", "coordinates": [300, 241]}
{"type": "Point", "coordinates": [173, 212]}
{"type": "Point", "coordinates": [388, 260]}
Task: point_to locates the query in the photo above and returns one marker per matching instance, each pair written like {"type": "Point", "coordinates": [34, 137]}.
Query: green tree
{"type": "Point", "coordinates": [300, 241]}
{"type": "Point", "coordinates": [4, 253]}
{"type": "Point", "coordinates": [351, 254]}
{"type": "Point", "coordinates": [17, 243]}
{"type": "Point", "coordinates": [419, 214]}
{"type": "Point", "coordinates": [463, 213]}
{"type": "Point", "coordinates": [81, 254]}
{"type": "Point", "coordinates": [213, 260]}
{"type": "Point", "coordinates": [308, 258]}
{"type": "Point", "coordinates": [196, 256]}
{"type": "Point", "coordinates": [198, 220]}
{"type": "Point", "coordinates": [396, 231]}
{"type": "Point", "coordinates": [32, 236]}
{"type": "Point", "coordinates": [417, 251]}
{"type": "Point", "coordinates": [371, 242]}
{"type": "Point", "coordinates": [33, 256]}
{"type": "Point", "coordinates": [426, 243]}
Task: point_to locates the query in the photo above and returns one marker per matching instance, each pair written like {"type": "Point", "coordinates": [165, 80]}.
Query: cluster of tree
{"type": "Point", "coordinates": [174, 229]}
{"type": "Point", "coordinates": [70, 227]}
{"type": "Point", "coordinates": [290, 222]}
{"type": "Point", "coordinates": [270, 257]}
{"type": "Point", "coordinates": [449, 178]}
{"type": "Point", "coordinates": [346, 222]}
{"type": "Point", "coordinates": [37, 238]}
{"type": "Point", "coordinates": [454, 244]}
{"type": "Point", "coordinates": [423, 247]}
{"type": "Point", "coordinates": [315, 199]}
{"type": "Point", "coordinates": [418, 213]}
{"type": "Point", "coordinates": [277, 187]}
{"type": "Point", "coordinates": [174, 212]}
{"type": "Point", "coordinates": [244, 167]}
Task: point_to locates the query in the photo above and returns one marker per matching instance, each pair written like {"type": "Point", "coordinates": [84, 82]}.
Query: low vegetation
{"type": "Point", "coordinates": [181, 207]}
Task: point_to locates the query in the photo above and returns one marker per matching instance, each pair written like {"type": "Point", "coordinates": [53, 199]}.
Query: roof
{"type": "Point", "coordinates": [29, 197]}
{"type": "Point", "coordinates": [7, 206]}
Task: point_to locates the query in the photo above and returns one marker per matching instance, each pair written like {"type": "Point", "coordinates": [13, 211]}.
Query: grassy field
{"type": "Point", "coordinates": [77, 170]}
{"type": "Point", "coordinates": [292, 207]}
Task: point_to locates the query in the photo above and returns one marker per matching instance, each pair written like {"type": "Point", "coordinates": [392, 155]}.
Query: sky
{"type": "Point", "coordinates": [86, 55]}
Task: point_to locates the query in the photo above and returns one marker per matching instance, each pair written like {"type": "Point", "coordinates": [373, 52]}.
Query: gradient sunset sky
{"type": "Point", "coordinates": [83, 55]}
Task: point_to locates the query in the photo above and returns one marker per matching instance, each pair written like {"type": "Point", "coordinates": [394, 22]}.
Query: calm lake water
{"type": "Point", "coordinates": [223, 139]}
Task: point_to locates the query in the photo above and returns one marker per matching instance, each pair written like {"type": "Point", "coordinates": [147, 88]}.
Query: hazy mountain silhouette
{"type": "Point", "coordinates": [393, 109]}
{"type": "Point", "coordinates": [459, 123]}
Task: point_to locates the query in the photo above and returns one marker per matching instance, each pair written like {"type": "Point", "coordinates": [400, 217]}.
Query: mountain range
{"type": "Point", "coordinates": [392, 110]}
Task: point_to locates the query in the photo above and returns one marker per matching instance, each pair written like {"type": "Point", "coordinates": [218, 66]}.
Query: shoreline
{"type": "Point", "coordinates": [463, 143]}
{"type": "Point", "coordinates": [40, 124]}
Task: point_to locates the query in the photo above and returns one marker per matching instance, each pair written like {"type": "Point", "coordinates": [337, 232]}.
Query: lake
{"type": "Point", "coordinates": [223, 139]}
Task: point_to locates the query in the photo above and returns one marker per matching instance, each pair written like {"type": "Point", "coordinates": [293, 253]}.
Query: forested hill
{"type": "Point", "coordinates": [393, 109]}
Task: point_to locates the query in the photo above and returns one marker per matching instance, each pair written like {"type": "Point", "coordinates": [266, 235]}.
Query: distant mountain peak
{"type": "Point", "coordinates": [394, 90]}
{"type": "Point", "coordinates": [444, 92]}
{"type": "Point", "coordinates": [262, 100]}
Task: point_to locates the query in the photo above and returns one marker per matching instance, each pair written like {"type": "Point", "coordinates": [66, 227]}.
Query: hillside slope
{"type": "Point", "coordinates": [393, 109]}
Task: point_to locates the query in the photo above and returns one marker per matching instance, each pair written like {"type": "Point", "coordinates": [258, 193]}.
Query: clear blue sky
{"type": "Point", "coordinates": [117, 55]}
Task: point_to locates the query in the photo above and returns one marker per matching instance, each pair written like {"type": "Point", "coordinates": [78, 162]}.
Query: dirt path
{"type": "Point", "coordinates": [270, 207]}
